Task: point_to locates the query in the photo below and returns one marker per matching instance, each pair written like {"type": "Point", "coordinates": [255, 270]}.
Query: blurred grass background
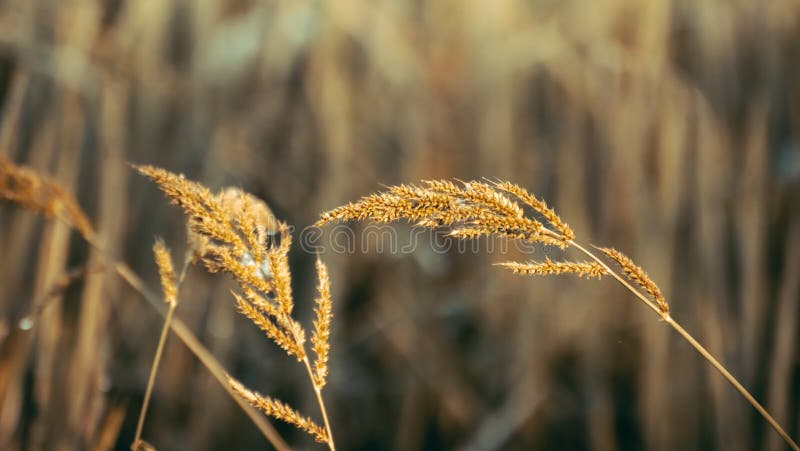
{"type": "Point", "coordinates": [667, 128]}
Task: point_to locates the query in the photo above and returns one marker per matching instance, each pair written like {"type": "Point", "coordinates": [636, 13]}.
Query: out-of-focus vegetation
{"type": "Point", "coordinates": [668, 129]}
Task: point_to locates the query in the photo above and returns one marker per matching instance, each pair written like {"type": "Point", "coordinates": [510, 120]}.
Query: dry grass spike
{"type": "Point", "coordinates": [476, 209]}
{"type": "Point", "coordinates": [539, 206]}
{"type": "Point", "coordinates": [279, 410]}
{"type": "Point", "coordinates": [470, 209]}
{"type": "Point", "coordinates": [548, 267]}
{"type": "Point", "coordinates": [282, 337]}
{"type": "Point", "coordinates": [170, 283]}
{"type": "Point", "coordinates": [322, 324]}
{"type": "Point", "coordinates": [166, 272]}
{"type": "Point", "coordinates": [639, 276]}
{"type": "Point", "coordinates": [32, 191]}
{"type": "Point", "coordinates": [236, 233]}
{"type": "Point", "coordinates": [45, 196]}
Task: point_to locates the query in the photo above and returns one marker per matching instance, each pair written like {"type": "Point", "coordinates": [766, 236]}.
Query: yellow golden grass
{"type": "Point", "coordinates": [473, 209]}
{"type": "Point", "coordinates": [282, 336]}
{"type": "Point", "coordinates": [279, 410]}
{"type": "Point", "coordinates": [236, 233]}
{"type": "Point", "coordinates": [638, 275]}
{"type": "Point", "coordinates": [169, 287]}
{"type": "Point", "coordinates": [43, 195]}
{"type": "Point", "coordinates": [30, 190]}
{"type": "Point", "coordinates": [166, 271]}
{"type": "Point", "coordinates": [588, 269]}
{"type": "Point", "coordinates": [320, 340]}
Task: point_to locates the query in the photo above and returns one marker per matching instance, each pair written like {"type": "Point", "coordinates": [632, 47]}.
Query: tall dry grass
{"type": "Point", "coordinates": [236, 233]}
{"type": "Point", "coordinates": [479, 209]}
{"type": "Point", "coordinates": [666, 128]}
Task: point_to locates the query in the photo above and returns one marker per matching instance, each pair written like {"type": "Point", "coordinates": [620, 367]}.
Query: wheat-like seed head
{"type": "Point", "coordinates": [283, 337]}
{"type": "Point", "coordinates": [476, 209]}
{"type": "Point", "coordinates": [278, 260]}
{"type": "Point", "coordinates": [166, 272]}
{"type": "Point", "coordinates": [208, 216]}
{"type": "Point", "coordinates": [322, 324]}
{"type": "Point", "coordinates": [279, 410]}
{"type": "Point", "coordinates": [639, 276]}
{"type": "Point", "coordinates": [235, 232]}
{"type": "Point", "coordinates": [470, 209]}
{"type": "Point", "coordinates": [43, 195]}
{"type": "Point", "coordinates": [588, 269]}
{"type": "Point", "coordinates": [539, 206]}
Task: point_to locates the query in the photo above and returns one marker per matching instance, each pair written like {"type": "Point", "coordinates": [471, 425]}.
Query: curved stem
{"type": "Point", "coordinates": [318, 392]}
{"type": "Point", "coordinates": [202, 353]}
{"type": "Point", "coordinates": [189, 340]}
{"type": "Point", "coordinates": [697, 346]}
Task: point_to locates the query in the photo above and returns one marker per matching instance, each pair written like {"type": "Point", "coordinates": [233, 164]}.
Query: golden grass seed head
{"type": "Point", "coordinates": [279, 410]}
{"type": "Point", "coordinates": [32, 191]}
{"type": "Point", "coordinates": [639, 276]}
{"type": "Point", "coordinates": [166, 272]}
{"type": "Point", "coordinates": [548, 267]}
{"type": "Point", "coordinates": [320, 339]}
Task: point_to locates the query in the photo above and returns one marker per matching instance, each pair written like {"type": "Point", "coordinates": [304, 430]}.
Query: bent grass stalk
{"type": "Point", "coordinates": [475, 209]}
{"type": "Point", "coordinates": [229, 232]}
{"type": "Point", "coordinates": [701, 350]}
{"type": "Point", "coordinates": [40, 194]}
{"type": "Point", "coordinates": [236, 233]}
{"type": "Point", "coordinates": [182, 331]}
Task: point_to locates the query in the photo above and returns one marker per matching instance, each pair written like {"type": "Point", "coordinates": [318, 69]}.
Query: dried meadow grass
{"type": "Point", "coordinates": [169, 286]}
{"type": "Point", "coordinates": [473, 209]}
{"type": "Point", "coordinates": [236, 233]}
{"type": "Point", "coordinates": [30, 190]}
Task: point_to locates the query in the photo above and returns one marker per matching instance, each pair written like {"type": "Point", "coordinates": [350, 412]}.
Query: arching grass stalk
{"type": "Point", "coordinates": [482, 208]}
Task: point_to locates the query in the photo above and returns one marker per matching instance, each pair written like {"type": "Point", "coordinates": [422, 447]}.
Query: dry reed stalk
{"type": "Point", "coordinates": [170, 284]}
{"type": "Point", "coordinates": [23, 186]}
{"type": "Point", "coordinates": [473, 209]}
{"type": "Point", "coordinates": [236, 233]}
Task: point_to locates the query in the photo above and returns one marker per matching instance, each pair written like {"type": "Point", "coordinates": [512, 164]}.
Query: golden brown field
{"type": "Point", "coordinates": [667, 130]}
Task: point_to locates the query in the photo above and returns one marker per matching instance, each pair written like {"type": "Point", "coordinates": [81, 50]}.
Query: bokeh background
{"type": "Point", "coordinates": [668, 129]}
